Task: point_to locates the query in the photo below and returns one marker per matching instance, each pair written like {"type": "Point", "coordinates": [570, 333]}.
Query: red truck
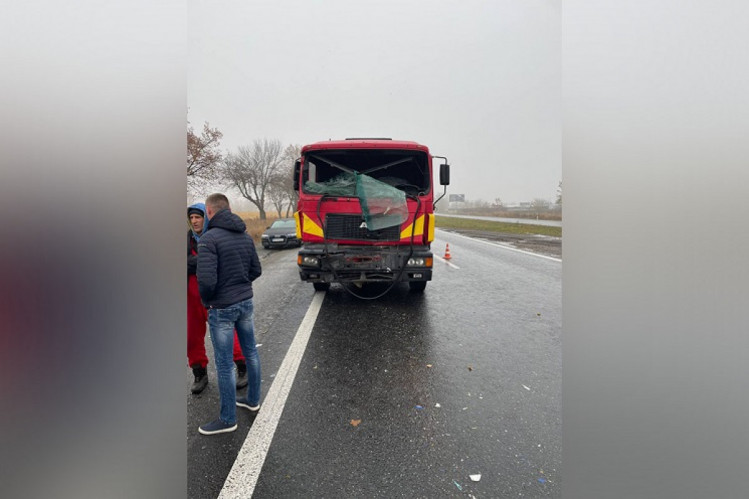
{"type": "Point", "coordinates": [366, 212]}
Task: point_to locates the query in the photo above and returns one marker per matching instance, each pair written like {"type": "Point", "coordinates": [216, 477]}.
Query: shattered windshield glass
{"type": "Point", "coordinates": [379, 178]}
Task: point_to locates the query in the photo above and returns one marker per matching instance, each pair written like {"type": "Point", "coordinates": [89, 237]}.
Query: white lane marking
{"type": "Point", "coordinates": [443, 260]}
{"type": "Point", "coordinates": [246, 469]}
{"type": "Point", "coordinates": [504, 247]}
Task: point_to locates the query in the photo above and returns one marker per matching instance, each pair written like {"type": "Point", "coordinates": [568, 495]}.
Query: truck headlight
{"type": "Point", "coordinates": [419, 261]}
{"type": "Point", "coordinates": [308, 261]}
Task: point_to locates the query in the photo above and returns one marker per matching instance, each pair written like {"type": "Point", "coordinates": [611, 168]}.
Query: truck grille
{"type": "Point", "coordinates": [349, 227]}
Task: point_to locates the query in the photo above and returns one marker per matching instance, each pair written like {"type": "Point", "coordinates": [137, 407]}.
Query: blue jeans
{"type": "Point", "coordinates": [222, 322]}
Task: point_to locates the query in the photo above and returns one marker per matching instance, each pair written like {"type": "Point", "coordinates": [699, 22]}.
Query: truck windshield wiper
{"type": "Point", "coordinates": [366, 172]}
{"type": "Point", "coordinates": [388, 165]}
{"type": "Point", "coordinates": [333, 163]}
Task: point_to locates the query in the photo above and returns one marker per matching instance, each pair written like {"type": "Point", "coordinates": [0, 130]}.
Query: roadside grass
{"type": "Point", "coordinates": [488, 225]}
{"type": "Point", "coordinates": [255, 226]}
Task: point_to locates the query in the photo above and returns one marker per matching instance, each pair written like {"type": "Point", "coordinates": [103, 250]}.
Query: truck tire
{"type": "Point", "coordinates": [417, 286]}
{"type": "Point", "coordinates": [321, 286]}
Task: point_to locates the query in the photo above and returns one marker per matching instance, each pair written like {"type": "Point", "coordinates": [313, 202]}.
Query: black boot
{"type": "Point", "coordinates": [201, 379]}
{"type": "Point", "coordinates": [241, 373]}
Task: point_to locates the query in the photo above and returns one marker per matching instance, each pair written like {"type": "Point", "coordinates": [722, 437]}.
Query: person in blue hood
{"type": "Point", "coordinates": [227, 265]}
{"type": "Point", "coordinates": [196, 312]}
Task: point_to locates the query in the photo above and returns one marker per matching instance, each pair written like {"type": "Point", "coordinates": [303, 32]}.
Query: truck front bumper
{"type": "Point", "coordinates": [340, 263]}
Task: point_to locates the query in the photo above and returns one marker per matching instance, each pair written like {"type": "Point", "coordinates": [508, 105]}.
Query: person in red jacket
{"type": "Point", "coordinates": [197, 315]}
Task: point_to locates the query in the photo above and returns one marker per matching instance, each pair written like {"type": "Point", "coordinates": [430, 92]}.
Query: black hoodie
{"type": "Point", "coordinates": [227, 261]}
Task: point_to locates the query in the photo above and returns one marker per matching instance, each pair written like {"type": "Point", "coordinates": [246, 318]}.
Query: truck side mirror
{"type": "Point", "coordinates": [444, 174]}
{"type": "Point", "coordinates": [297, 164]}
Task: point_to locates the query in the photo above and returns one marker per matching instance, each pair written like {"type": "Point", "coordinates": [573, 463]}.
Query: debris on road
{"type": "Point", "coordinates": [355, 422]}
{"type": "Point", "coordinates": [457, 485]}
{"type": "Point", "coordinates": [526, 388]}
{"type": "Point", "coordinates": [418, 407]}
{"type": "Point", "coordinates": [475, 478]}
{"type": "Point", "coordinates": [437, 405]}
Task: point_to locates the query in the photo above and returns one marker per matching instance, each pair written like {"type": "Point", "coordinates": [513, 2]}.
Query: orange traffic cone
{"type": "Point", "coordinates": [447, 252]}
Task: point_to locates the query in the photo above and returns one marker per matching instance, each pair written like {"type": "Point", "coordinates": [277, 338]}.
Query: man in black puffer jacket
{"type": "Point", "coordinates": [227, 265]}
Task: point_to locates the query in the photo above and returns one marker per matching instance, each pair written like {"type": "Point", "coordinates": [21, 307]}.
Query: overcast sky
{"type": "Point", "coordinates": [476, 81]}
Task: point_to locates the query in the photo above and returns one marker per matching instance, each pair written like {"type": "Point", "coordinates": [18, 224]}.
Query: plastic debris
{"type": "Point", "coordinates": [542, 480]}
{"type": "Point", "coordinates": [526, 388]}
{"type": "Point", "coordinates": [475, 478]}
{"type": "Point", "coordinates": [437, 405]}
{"type": "Point", "coordinates": [429, 365]}
{"type": "Point", "coordinates": [418, 407]}
{"type": "Point", "coordinates": [457, 485]}
{"type": "Point", "coordinates": [355, 422]}
{"type": "Point", "coordinates": [258, 345]}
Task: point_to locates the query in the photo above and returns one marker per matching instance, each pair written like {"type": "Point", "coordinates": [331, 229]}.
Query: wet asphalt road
{"type": "Point", "coordinates": [410, 394]}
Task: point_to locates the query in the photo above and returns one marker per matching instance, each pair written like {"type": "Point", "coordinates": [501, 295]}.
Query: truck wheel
{"type": "Point", "coordinates": [417, 286]}
{"type": "Point", "coordinates": [321, 286]}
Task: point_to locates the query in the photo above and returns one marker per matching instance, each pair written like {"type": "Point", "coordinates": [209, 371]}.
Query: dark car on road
{"type": "Point", "coordinates": [281, 234]}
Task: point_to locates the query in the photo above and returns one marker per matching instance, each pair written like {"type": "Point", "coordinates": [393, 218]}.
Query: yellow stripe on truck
{"type": "Point", "coordinates": [298, 226]}
{"type": "Point", "coordinates": [310, 227]}
{"type": "Point", "coordinates": [430, 232]}
{"type": "Point", "coordinates": [406, 233]}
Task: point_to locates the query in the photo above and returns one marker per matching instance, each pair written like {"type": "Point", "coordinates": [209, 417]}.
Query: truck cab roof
{"type": "Point", "coordinates": [365, 143]}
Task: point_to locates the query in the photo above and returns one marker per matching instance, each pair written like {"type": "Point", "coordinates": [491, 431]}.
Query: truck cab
{"type": "Point", "coordinates": [366, 212]}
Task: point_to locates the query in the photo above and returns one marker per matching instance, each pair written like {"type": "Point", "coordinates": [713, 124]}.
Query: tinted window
{"type": "Point", "coordinates": [284, 224]}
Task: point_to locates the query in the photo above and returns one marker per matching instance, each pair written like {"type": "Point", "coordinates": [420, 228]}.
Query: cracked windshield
{"type": "Point", "coordinates": [381, 180]}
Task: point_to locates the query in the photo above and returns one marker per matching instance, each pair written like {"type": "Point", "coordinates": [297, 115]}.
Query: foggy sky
{"type": "Point", "coordinates": [476, 81]}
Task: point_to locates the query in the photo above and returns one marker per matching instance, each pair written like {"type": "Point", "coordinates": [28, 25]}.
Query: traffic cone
{"type": "Point", "coordinates": [447, 252]}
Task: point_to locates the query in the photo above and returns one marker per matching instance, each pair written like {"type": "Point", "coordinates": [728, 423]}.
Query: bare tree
{"type": "Point", "coordinates": [559, 194]}
{"type": "Point", "coordinates": [539, 205]}
{"type": "Point", "coordinates": [252, 170]}
{"type": "Point", "coordinates": [203, 157]}
{"type": "Point", "coordinates": [277, 193]}
{"type": "Point", "coordinates": [281, 192]}
{"type": "Point", "coordinates": [290, 155]}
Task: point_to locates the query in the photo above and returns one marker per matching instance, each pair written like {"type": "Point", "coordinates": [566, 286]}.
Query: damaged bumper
{"type": "Point", "coordinates": [338, 263]}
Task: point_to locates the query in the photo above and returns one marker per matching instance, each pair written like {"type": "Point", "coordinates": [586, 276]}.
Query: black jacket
{"type": "Point", "coordinates": [227, 261]}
